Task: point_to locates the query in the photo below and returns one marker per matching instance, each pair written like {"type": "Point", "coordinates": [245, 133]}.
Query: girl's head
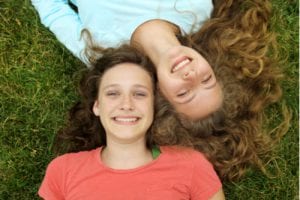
{"type": "Point", "coordinates": [188, 82]}
{"type": "Point", "coordinates": [125, 102]}
{"type": "Point", "coordinates": [185, 78]}
{"type": "Point", "coordinates": [118, 89]}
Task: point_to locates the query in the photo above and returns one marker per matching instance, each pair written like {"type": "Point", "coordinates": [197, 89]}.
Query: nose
{"type": "Point", "coordinates": [189, 75]}
{"type": "Point", "coordinates": [127, 103]}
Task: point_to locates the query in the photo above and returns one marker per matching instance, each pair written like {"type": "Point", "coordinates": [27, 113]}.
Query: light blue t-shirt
{"type": "Point", "coordinates": [112, 22]}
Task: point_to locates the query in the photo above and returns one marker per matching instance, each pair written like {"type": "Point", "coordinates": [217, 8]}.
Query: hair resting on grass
{"type": "Point", "coordinates": [238, 44]}
{"type": "Point", "coordinates": [242, 51]}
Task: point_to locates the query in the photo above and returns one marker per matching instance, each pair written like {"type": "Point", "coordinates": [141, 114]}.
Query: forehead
{"type": "Point", "coordinates": [126, 72]}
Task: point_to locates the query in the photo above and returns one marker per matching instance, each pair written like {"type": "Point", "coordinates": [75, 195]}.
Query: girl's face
{"type": "Point", "coordinates": [188, 82]}
{"type": "Point", "coordinates": [125, 103]}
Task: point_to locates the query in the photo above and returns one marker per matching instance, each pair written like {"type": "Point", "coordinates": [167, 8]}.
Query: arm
{"type": "Point", "coordinates": [52, 185]}
{"type": "Point", "coordinates": [218, 196]}
{"type": "Point", "coordinates": [205, 183]}
{"type": "Point", "coordinates": [63, 21]}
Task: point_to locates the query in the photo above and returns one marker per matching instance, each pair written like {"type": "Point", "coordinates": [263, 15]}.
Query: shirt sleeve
{"type": "Point", "coordinates": [205, 181]}
{"type": "Point", "coordinates": [52, 186]}
{"type": "Point", "coordinates": [64, 22]}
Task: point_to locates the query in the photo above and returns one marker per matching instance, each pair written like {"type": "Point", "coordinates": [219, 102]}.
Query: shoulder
{"type": "Point", "coordinates": [189, 159]}
{"type": "Point", "coordinates": [203, 180]}
{"type": "Point", "coordinates": [72, 159]}
{"type": "Point", "coordinates": [65, 170]}
{"type": "Point", "coordinates": [184, 153]}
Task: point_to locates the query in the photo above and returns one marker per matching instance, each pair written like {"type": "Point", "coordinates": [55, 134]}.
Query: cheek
{"type": "Point", "coordinates": [169, 88]}
{"type": "Point", "coordinates": [150, 114]}
{"type": "Point", "coordinates": [148, 108]}
{"type": "Point", "coordinates": [151, 108]}
{"type": "Point", "coordinates": [106, 107]}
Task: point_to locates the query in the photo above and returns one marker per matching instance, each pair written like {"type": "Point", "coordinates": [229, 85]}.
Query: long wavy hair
{"type": "Point", "coordinates": [238, 44]}
{"type": "Point", "coordinates": [83, 130]}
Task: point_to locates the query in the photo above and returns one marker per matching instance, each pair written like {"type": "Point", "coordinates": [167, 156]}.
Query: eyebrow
{"type": "Point", "coordinates": [135, 86]}
{"type": "Point", "coordinates": [110, 85]}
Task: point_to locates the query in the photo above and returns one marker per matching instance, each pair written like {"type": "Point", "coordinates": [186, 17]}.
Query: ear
{"type": "Point", "coordinates": [96, 109]}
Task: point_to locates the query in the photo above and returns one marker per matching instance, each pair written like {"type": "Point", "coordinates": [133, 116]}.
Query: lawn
{"type": "Point", "coordinates": [38, 78]}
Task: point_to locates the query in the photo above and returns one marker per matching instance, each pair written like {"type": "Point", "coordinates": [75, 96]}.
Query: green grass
{"type": "Point", "coordinates": [37, 86]}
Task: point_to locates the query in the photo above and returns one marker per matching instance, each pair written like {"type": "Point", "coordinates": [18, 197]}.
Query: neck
{"type": "Point", "coordinates": [154, 38]}
{"type": "Point", "coordinates": [126, 156]}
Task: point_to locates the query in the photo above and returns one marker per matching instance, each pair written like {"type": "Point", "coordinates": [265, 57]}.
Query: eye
{"type": "Point", "coordinates": [140, 94]}
{"type": "Point", "coordinates": [206, 80]}
{"type": "Point", "coordinates": [112, 93]}
{"type": "Point", "coordinates": [183, 93]}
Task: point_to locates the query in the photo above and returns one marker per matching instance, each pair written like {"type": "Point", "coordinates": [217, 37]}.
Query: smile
{"type": "Point", "coordinates": [180, 64]}
{"type": "Point", "coordinates": [126, 120]}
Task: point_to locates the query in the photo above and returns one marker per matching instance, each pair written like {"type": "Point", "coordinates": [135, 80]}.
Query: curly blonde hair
{"type": "Point", "coordinates": [238, 44]}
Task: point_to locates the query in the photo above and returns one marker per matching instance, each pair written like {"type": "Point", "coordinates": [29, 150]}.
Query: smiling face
{"type": "Point", "coordinates": [188, 82]}
{"type": "Point", "coordinates": [125, 103]}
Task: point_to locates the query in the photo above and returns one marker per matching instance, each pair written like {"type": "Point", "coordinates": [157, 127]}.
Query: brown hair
{"type": "Point", "coordinates": [237, 43]}
{"type": "Point", "coordinates": [83, 130]}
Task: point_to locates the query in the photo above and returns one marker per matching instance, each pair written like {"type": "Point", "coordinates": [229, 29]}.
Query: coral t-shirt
{"type": "Point", "coordinates": [178, 173]}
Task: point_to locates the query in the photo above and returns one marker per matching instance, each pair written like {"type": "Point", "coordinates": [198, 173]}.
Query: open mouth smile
{"type": "Point", "coordinates": [180, 64]}
{"type": "Point", "coordinates": [126, 120]}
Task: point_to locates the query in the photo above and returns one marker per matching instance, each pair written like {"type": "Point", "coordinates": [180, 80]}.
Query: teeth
{"type": "Point", "coordinates": [126, 119]}
{"type": "Point", "coordinates": [181, 64]}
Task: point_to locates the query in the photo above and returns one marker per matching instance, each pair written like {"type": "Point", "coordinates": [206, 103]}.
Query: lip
{"type": "Point", "coordinates": [126, 120]}
{"type": "Point", "coordinates": [180, 63]}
